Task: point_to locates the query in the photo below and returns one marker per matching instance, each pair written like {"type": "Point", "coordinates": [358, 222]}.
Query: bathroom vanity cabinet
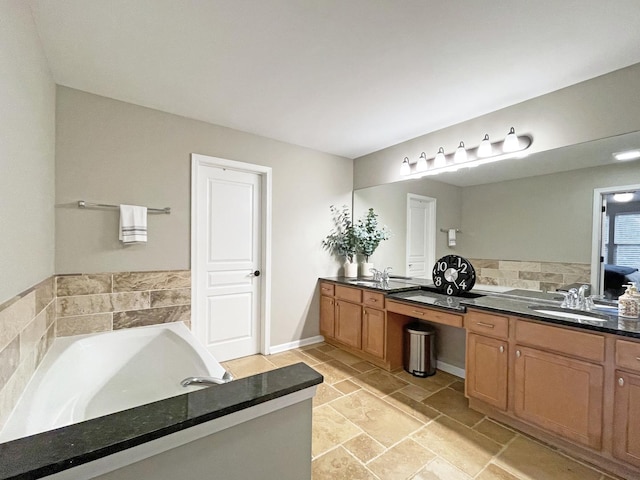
{"type": "Point", "coordinates": [354, 318]}
{"type": "Point", "coordinates": [573, 387]}
{"type": "Point", "coordinates": [626, 419]}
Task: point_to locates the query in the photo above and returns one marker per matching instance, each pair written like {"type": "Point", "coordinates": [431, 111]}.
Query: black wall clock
{"type": "Point", "coordinates": [453, 274]}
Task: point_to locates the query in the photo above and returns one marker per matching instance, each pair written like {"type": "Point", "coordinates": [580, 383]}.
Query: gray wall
{"type": "Point", "coordinates": [114, 152]}
{"type": "Point", "coordinates": [390, 203]}
{"type": "Point", "coordinates": [598, 108]}
{"type": "Point", "coordinates": [547, 218]}
{"type": "Point", "coordinates": [276, 446]}
{"type": "Point", "coordinates": [27, 135]}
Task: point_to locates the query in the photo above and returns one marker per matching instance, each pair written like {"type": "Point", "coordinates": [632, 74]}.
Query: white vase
{"type": "Point", "coordinates": [350, 269]}
{"type": "Point", "coordinates": [365, 269]}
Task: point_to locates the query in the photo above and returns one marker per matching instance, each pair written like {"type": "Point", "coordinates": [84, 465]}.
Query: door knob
{"type": "Point", "coordinates": [255, 274]}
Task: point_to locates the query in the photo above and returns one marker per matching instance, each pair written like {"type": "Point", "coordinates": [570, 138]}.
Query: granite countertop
{"type": "Point", "coordinates": [50, 452]}
{"type": "Point", "coordinates": [509, 302]}
{"type": "Point", "coordinates": [395, 284]}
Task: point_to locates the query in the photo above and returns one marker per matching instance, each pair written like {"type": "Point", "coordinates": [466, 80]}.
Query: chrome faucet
{"type": "Point", "coordinates": [577, 299]}
{"type": "Point", "coordinates": [584, 300]}
{"type": "Point", "coordinates": [384, 275]}
{"type": "Point", "coordinates": [227, 377]}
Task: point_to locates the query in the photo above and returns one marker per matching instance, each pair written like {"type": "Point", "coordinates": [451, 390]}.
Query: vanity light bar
{"type": "Point", "coordinates": [513, 146]}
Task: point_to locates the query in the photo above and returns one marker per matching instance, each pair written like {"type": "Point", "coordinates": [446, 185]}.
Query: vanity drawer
{"type": "Point", "coordinates": [348, 293]}
{"type": "Point", "coordinates": [563, 340]}
{"type": "Point", "coordinates": [327, 289]}
{"type": "Point", "coordinates": [373, 299]}
{"type": "Point", "coordinates": [427, 314]}
{"type": "Point", "coordinates": [487, 324]}
{"type": "Point", "coordinates": [628, 354]}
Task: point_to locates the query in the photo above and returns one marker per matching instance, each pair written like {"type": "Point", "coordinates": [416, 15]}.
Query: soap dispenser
{"type": "Point", "coordinates": [628, 305]}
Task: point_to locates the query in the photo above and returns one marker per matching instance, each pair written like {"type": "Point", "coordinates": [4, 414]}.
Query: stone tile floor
{"type": "Point", "coordinates": [372, 424]}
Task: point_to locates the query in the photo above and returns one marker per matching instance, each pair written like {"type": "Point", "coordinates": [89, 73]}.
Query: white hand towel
{"type": "Point", "coordinates": [451, 236]}
{"type": "Point", "coordinates": [133, 224]}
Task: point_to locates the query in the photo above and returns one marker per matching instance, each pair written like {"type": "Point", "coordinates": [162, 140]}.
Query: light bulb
{"type": "Point", "coordinates": [422, 162]}
{"type": "Point", "coordinates": [440, 160]}
{"type": "Point", "coordinates": [511, 142]}
{"type": "Point", "coordinates": [623, 197]}
{"type": "Point", "coordinates": [405, 169]}
{"type": "Point", "coordinates": [485, 149]}
{"type": "Point", "coordinates": [628, 155]}
{"type": "Point", "coordinates": [461, 154]}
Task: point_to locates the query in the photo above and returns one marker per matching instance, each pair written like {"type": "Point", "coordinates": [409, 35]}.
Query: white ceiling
{"type": "Point", "coordinates": [347, 77]}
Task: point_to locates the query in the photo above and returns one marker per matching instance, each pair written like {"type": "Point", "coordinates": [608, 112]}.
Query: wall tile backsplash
{"type": "Point", "coordinates": [78, 304]}
{"type": "Point", "coordinates": [27, 330]}
{"type": "Point", "coordinates": [103, 302]}
{"type": "Point", "coordinates": [530, 275]}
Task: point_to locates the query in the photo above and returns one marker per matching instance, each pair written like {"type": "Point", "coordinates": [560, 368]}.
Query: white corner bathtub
{"type": "Point", "coordinates": [87, 376]}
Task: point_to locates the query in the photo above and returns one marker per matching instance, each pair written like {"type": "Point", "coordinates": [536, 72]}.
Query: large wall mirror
{"type": "Point", "coordinates": [542, 209]}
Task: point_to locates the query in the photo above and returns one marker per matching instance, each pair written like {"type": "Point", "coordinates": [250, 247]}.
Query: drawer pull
{"type": "Point", "coordinates": [418, 312]}
{"type": "Point", "coordinates": [375, 300]}
{"type": "Point", "coordinates": [501, 349]}
{"type": "Point", "coordinates": [488, 325]}
{"type": "Point", "coordinates": [638, 358]}
{"type": "Point", "coordinates": [621, 382]}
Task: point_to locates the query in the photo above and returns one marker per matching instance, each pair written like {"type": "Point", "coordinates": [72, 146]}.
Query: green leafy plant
{"type": "Point", "coordinates": [341, 240]}
{"type": "Point", "coordinates": [369, 234]}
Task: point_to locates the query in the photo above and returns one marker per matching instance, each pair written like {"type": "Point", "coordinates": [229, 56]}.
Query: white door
{"type": "Point", "coordinates": [227, 260]}
{"type": "Point", "coordinates": [421, 219]}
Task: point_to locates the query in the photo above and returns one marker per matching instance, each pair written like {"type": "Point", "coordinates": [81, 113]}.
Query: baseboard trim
{"type": "Point", "coordinates": [283, 347]}
{"type": "Point", "coordinates": [452, 369]}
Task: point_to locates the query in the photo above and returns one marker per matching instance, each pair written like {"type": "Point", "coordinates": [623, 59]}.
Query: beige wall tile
{"type": "Point", "coordinates": [31, 335]}
{"type": "Point", "coordinates": [9, 361]}
{"type": "Point", "coordinates": [517, 283]}
{"type": "Point", "coordinates": [151, 316]}
{"type": "Point", "coordinates": [44, 293]}
{"type": "Point", "coordinates": [479, 263]}
{"type": "Point", "coordinates": [69, 285]}
{"type": "Point", "coordinates": [519, 266]}
{"type": "Point", "coordinates": [113, 302]}
{"type": "Point", "coordinates": [13, 389]}
{"type": "Point", "coordinates": [138, 281]}
{"type": "Point", "coordinates": [494, 273]}
{"type": "Point", "coordinates": [82, 324]}
{"type": "Point", "coordinates": [541, 276]}
{"type": "Point", "coordinates": [15, 317]}
{"type": "Point", "coordinates": [569, 278]}
{"type": "Point", "coordinates": [166, 298]}
{"type": "Point", "coordinates": [557, 267]}
{"type": "Point", "coordinates": [45, 344]}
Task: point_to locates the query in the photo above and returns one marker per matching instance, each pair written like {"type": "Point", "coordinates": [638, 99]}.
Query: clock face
{"type": "Point", "coordinates": [453, 274]}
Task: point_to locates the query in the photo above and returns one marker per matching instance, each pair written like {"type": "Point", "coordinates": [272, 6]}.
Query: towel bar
{"type": "Point", "coordinates": [83, 204]}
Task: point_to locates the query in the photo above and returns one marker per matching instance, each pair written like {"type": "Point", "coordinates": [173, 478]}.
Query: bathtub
{"type": "Point", "coordinates": [88, 376]}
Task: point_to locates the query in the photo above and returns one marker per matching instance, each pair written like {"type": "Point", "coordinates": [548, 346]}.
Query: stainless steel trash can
{"type": "Point", "coordinates": [419, 352]}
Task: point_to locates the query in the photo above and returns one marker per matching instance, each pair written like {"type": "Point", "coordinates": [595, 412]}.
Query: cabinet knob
{"type": "Point", "coordinates": [621, 382]}
{"type": "Point", "coordinates": [518, 353]}
{"type": "Point", "coordinates": [501, 349]}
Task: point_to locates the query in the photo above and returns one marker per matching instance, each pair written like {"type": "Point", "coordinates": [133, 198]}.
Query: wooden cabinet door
{"type": "Point", "coordinates": [373, 330]}
{"type": "Point", "coordinates": [626, 420]}
{"type": "Point", "coordinates": [348, 324]}
{"type": "Point", "coordinates": [487, 364]}
{"type": "Point", "coordinates": [559, 394]}
{"type": "Point", "coordinates": [327, 316]}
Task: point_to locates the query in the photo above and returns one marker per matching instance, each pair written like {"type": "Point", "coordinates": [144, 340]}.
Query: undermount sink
{"type": "Point", "coordinates": [390, 285]}
{"type": "Point", "coordinates": [567, 313]}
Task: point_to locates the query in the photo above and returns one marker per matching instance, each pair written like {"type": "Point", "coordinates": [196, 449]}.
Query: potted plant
{"type": "Point", "coordinates": [369, 234]}
{"type": "Point", "coordinates": [341, 240]}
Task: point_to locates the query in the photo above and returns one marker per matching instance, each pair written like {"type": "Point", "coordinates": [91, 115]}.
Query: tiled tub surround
{"type": "Point", "coordinates": [111, 301]}
{"type": "Point", "coordinates": [27, 330]}
{"type": "Point", "coordinates": [530, 275]}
